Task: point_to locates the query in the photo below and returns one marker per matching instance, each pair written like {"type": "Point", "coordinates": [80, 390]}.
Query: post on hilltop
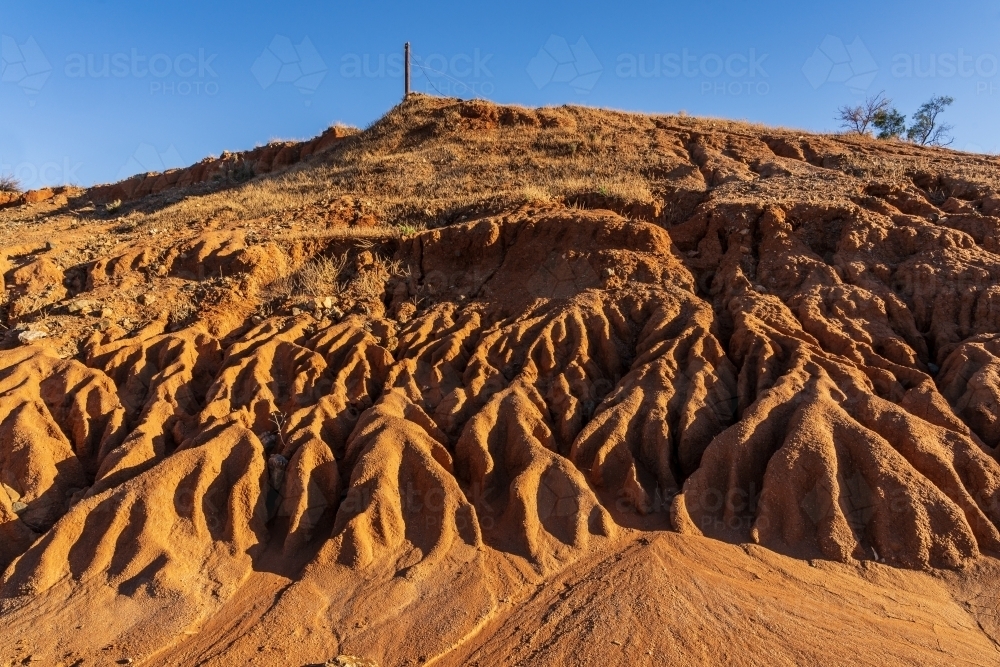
{"type": "Point", "coordinates": [406, 70]}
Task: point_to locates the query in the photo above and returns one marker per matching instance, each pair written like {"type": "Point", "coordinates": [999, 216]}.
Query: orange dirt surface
{"type": "Point", "coordinates": [486, 385]}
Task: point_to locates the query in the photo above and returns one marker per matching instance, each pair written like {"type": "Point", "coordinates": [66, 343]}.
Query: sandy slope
{"type": "Point", "coordinates": [741, 408]}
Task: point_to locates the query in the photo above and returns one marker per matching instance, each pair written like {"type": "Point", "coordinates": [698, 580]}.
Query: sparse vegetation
{"type": "Point", "coordinates": [859, 118]}
{"type": "Point", "coordinates": [113, 206]}
{"type": "Point", "coordinates": [396, 180]}
{"type": "Point", "coordinates": [927, 129]}
{"type": "Point", "coordinates": [242, 172]}
{"type": "Point", "coordinates": [9, 184]}
{"type": "Point", "coordinates": [181, 310]}
{"type": "Point", "coordinates": [890, 124]}
{"type": "Point", "coordinates": [319, 276]}
{"type": "Point", "coordinates": [877, 113]}
{"type": "Point", "coordinates": [408, 229]}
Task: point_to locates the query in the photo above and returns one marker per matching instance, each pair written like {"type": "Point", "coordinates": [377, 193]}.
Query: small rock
{"type": "Point", "coordinates": [29, 337]}
{"type": "Point", "coordinates": [125, 661]}
{"type": "Point", "coordinates": [107, 312]}
{"type": "Point", "coordinates": [364, 260]}
{"type": "Point", "coordinates": [80, 306]}
{"type": "Point", "coordinates": [103, 324]}
{"type": "Point", "coordinates": [296, 312]}
{"type": "Point", "coordinates": [18, 506]}
{"type": "Point", "coordinates": [609, 272]}
{"type": "Point", "coordinates": [49, 245]}
{"type": "Point", "coordinates": [147, 299]}
{"type": "Point", "coordinates": [11, 493]}
{"type": "Point", "coordinates": [328, 302]}
{"type": "Point", "coordinates": [350, 661]}
{"type": "Point", "coordinates": [256, 319]}
{"type": "Point", "coordinates": [335, 313]}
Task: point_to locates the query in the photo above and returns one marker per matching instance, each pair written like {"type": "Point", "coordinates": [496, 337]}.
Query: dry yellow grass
{"type": "Point", "coordinates": [433, 161]}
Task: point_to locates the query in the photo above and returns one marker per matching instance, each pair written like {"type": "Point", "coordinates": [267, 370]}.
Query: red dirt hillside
{"type": "Point", "coordinates": [490, 385]}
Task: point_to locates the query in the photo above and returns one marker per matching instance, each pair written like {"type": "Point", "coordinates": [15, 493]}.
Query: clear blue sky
{"type": "Point", "coordinates": [92, 91]}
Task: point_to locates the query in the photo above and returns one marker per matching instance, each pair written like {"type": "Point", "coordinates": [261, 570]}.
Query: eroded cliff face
{"type": "Point", "coordinates": [793, 346]}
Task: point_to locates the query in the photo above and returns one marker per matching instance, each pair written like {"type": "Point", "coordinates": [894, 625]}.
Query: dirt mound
{"type": "Point", "coordinates": [510, 420]}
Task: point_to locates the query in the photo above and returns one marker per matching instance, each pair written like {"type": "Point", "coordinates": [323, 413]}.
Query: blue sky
{"type": "Point", "coordinates": [94, 91]}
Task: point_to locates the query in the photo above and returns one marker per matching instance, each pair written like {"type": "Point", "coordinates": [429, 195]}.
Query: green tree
{"type": "Point", "coordinates": [926, 129]}
{"type": "Point", "coordinates": [890, 123]}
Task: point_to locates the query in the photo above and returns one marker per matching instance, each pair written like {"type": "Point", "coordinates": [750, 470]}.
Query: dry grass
{"type": "Point", "coordinates": [319, 277]}
{"type": "Point", "coordinates": [434, 161]}
{"type": "Point", "coordinates": [411, 175]}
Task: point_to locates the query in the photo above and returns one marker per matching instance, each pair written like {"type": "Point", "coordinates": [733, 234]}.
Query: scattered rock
{"type": "Point", "coordinates": [350, 661]}
{"type": "Point", "coordinates": [107, 312]}
{"type": "Point", "coordinates": [608, 273]}
{"type": "Point", "coordinates": [18, 506]}
{"type": "Point", "coordinates": [147, 299]}
{"type": "Point", "coordinates": [80, 306]}
{"type": "Point", "coordinates": [29, 337]}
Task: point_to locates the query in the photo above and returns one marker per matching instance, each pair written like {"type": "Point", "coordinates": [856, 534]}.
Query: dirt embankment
{"type": "Point", "coordinates": [746, 393]}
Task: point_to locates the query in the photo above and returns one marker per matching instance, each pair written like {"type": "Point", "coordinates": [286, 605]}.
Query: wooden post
{"type": "Point", "coordinates": [406, 70]}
